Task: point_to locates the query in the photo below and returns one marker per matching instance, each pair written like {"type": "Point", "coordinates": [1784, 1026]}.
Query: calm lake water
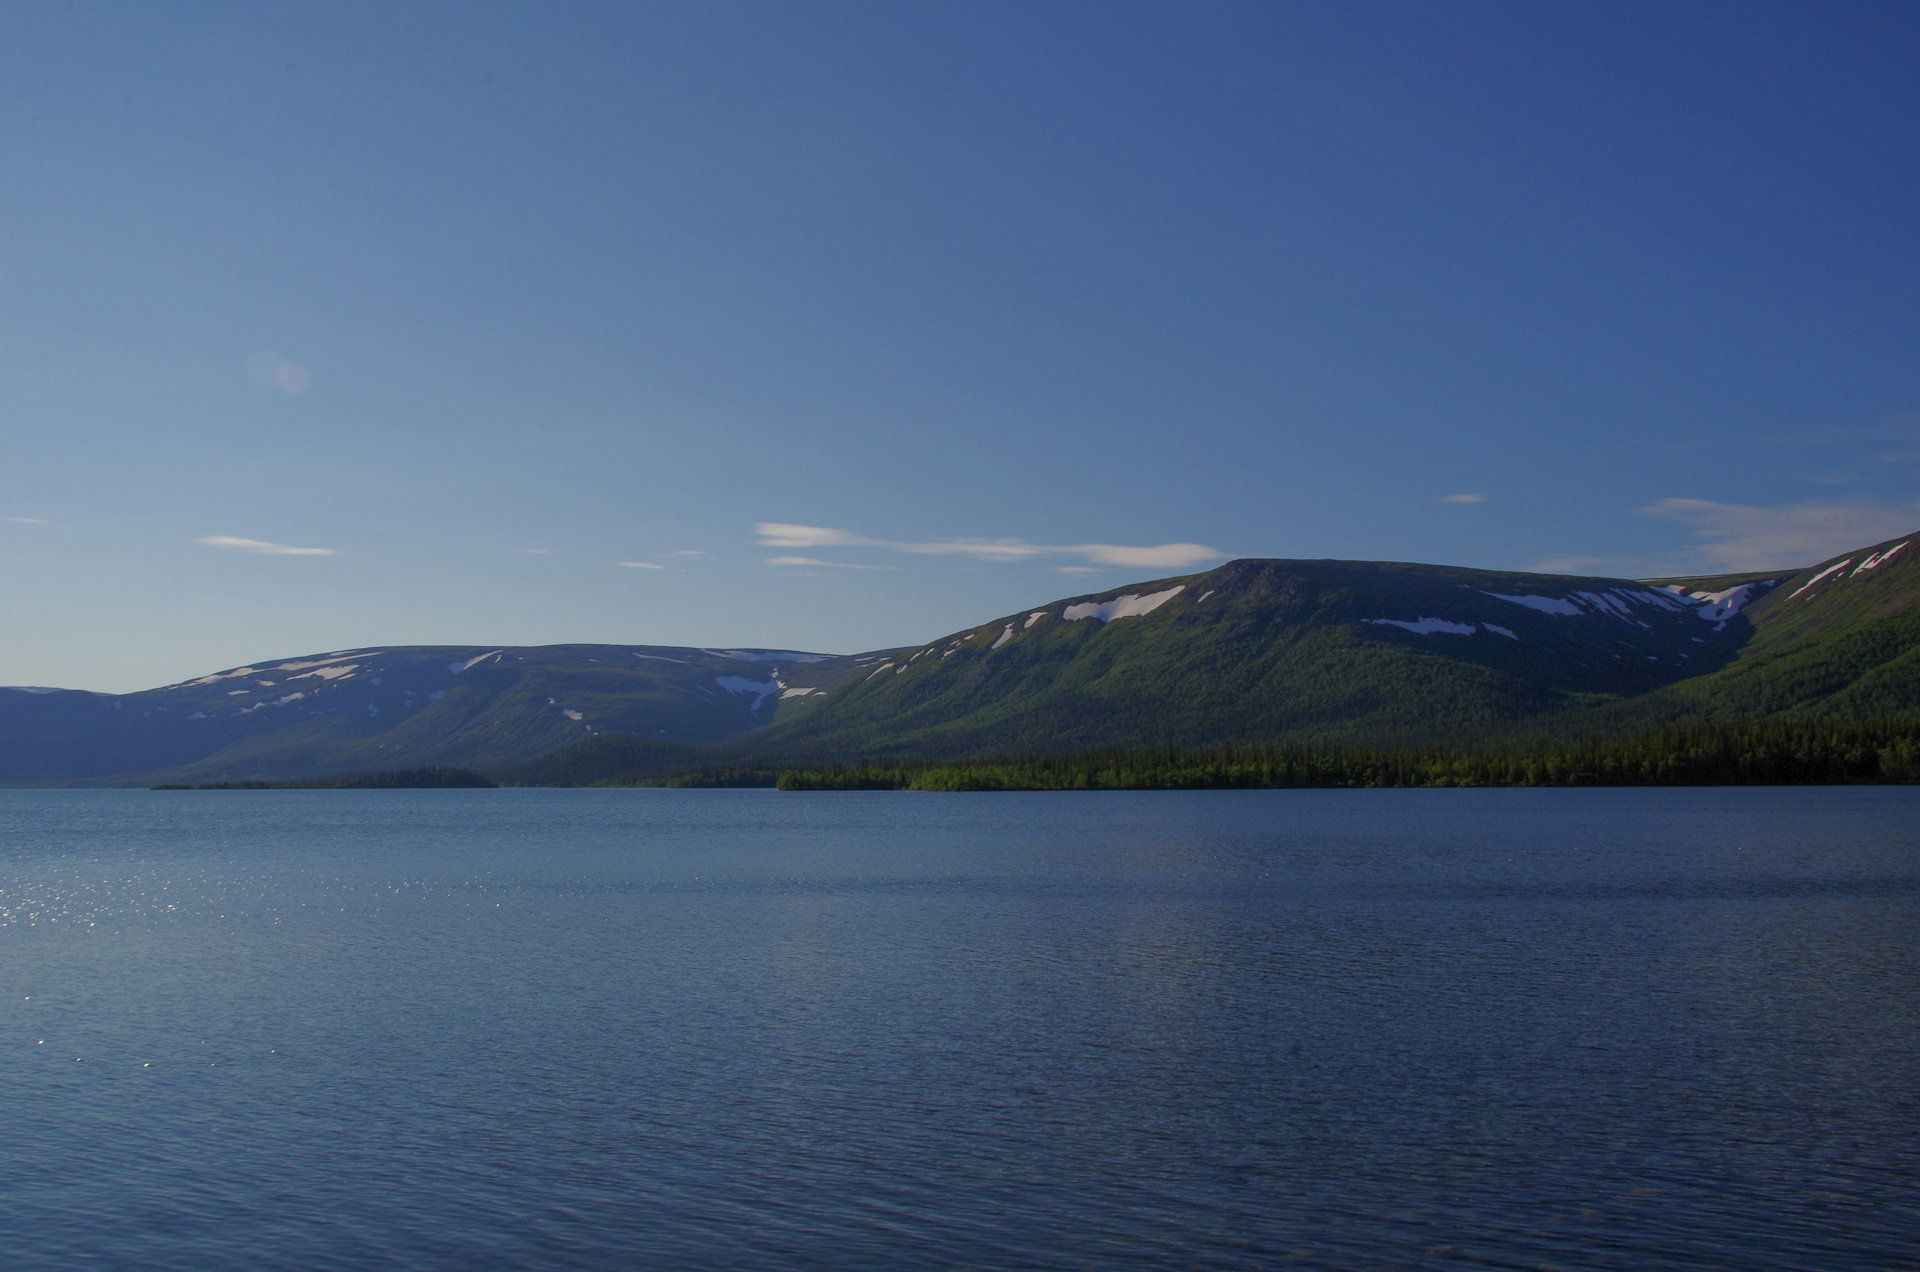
{"type": "Point", "coordinates": [1635, 1030]}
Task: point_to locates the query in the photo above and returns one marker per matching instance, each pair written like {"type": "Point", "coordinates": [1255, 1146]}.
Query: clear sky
{"type": "Point", "coordinates": [517, 319]}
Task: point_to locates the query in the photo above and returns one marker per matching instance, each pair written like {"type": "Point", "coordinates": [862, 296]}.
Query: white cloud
{"type": "Point", "coordinates": [1463, 499]}
{"type": "Point", "coordinates": [535, 551]}
{"type": "Point", "coordinates": [779, 534]}
{"type": "Point", "coordinates": [1736, 538]}
{"type": "Point", "coordinates": [978, 549]}
{"type": "Point", "coordinates": [1076, 569]}
{"type": "Point", "coordinates": [1903, 431]}
{"type": "Point", "coordinates": [639, 565]}
{"type": "Point", "coordinates": [687, 552]}
{"type": "Point", "coordinates": [260, 546]}
{"type": "Point", "coordinates": [27, 521]}
{"type": "Point", "coordinates": [1167, 555]}
{"type": "Point", "coordinates": [276, 372]}
{"type": "Point", "coordinates": [837, 565]}
{"type": "Point", "coordinates": [1571, 564]}
{"type": "Point", "coordinates": [1777, 536]}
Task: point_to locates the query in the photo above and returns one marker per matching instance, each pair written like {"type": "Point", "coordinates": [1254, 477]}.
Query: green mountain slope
{"type": "Point", "coordinates": [1335, 653]}
{"type": "Point", "coordinates": [1328, 652]}
{"type": "Point", "coordinates": [1256, 652]}
{"type": "Point", "coordinates": [1835, 641]}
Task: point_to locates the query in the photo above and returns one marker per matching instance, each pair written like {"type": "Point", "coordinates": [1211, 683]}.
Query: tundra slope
{"type": "Point", "coordinates": [1345, 653]}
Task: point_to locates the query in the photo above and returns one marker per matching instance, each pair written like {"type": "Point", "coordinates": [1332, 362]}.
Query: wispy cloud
{"type": "Point", "coordinates": [1765, 537]}
{"type": "Point", "coordinates": [1899, 435]}
{"type": "Point", "coordinates": [1735, 538]}
{"type": "Point", "coordinates": [1463, 499]}
{"type": "Point", "coordinates": [1572, 564]}
{"type": "Point", "coordinates": [27, 521]}
{"type": "Point", "coordinates": [777, 534]}
{"type": "Point", "coordinates": [260, 546]}
{"type": "Point", "coordinates": [687, 552]}
{"type": "Point", "coordinates": [276, 372]}
{"type": "Point", "coordinates": [535, 551]}
{"type": "Point", "coordinates": [639, 565]}
{"type": "Point", "coordinates": [1891, 439]}
{"type": "Point", "coordinates": [835, 565]}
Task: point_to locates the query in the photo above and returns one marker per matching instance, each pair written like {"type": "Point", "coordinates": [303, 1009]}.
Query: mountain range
{"type": "Point", "coordinates": [360, 710]}
{"type": "Point", "coordinates": [1336, 653]}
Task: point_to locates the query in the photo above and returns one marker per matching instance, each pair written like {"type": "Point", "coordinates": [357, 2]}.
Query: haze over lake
{"type": "Point", "coordinates": [1582, 1029]}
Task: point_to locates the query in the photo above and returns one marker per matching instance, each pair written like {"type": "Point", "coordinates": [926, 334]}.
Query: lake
{"type": "Point", "coordinates": [1432, 1029]}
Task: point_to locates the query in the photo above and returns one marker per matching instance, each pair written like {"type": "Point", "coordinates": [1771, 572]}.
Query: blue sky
{"type": "Point", "coordinates": [976, 305]}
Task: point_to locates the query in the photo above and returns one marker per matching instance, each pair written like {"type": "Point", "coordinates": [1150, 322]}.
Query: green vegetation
{"type": "Point", "coordinates": [1740, 753]}
{"type": "Point", "coordinates": [717, 777]}
{"type": "Point", "coordinates": [1735, 754]}
{"type": "Point", "coordinates": [1255, 673]}
{"type": "Point", "coordinates": [435, 778]}
{"type": "Point", "coordinates": [1332, 655]}
{"type": "Point", "coordinates": [605, 759]}
{"type": "Point", "coordinates": [1297, 653]}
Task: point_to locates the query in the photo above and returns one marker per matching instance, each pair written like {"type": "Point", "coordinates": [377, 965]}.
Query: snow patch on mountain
{"type": "Point", "coordinates": [1606, 603]}
{"type": "Point", "coordinates": [1620, 602]}
{"type": "Point", "coordinates": [1545, 604]}
{"type": "Point", "coordinates": [277, 702]}
{"type": "Point", "coordinates": [218, 675]}
{"type": "Point", "coordinates": [312, 662]}
{"type": "Point", "coordinates": [1722, 605]}
{"type": "Point", "coordinates": [1132, 605]}
{"type": "Point", "coordinates": [1879, 558]}
{"type": "Point", "coordinates": [328, 673]}
{"type": "Point", "coordinates": [1426, 626]}
{"type": "Point", "coordinates": [740, 684]}
{"type": "Point", "coordinates": [457, 668]}
{"type": "Point", "coordinates": [1832, 569]}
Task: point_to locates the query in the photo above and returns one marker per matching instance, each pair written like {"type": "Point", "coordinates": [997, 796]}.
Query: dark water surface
{"type": "Point", "coordinates": [1629, 1029]}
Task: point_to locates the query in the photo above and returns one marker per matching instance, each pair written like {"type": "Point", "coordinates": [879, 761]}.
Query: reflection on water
{"type": "Point", "coordinates": [679, 1029]}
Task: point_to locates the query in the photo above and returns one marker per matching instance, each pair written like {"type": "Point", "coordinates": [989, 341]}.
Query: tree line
{"type": "Point", "coordinates": [1731, 754]}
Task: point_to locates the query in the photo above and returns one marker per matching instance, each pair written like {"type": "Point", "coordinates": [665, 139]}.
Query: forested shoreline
{"type": "Point", "coordinates": [436, 777]}
{"type": "Point", "coordinates": [1735, 754]}
{"type": "Point", "coordinates": [1741, 753]}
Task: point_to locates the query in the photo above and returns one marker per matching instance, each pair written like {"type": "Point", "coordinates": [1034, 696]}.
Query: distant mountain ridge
{"type": "Point", "coordinates": [402, 707]}
{"type": "Point", "coordinates": [1336, 653]}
